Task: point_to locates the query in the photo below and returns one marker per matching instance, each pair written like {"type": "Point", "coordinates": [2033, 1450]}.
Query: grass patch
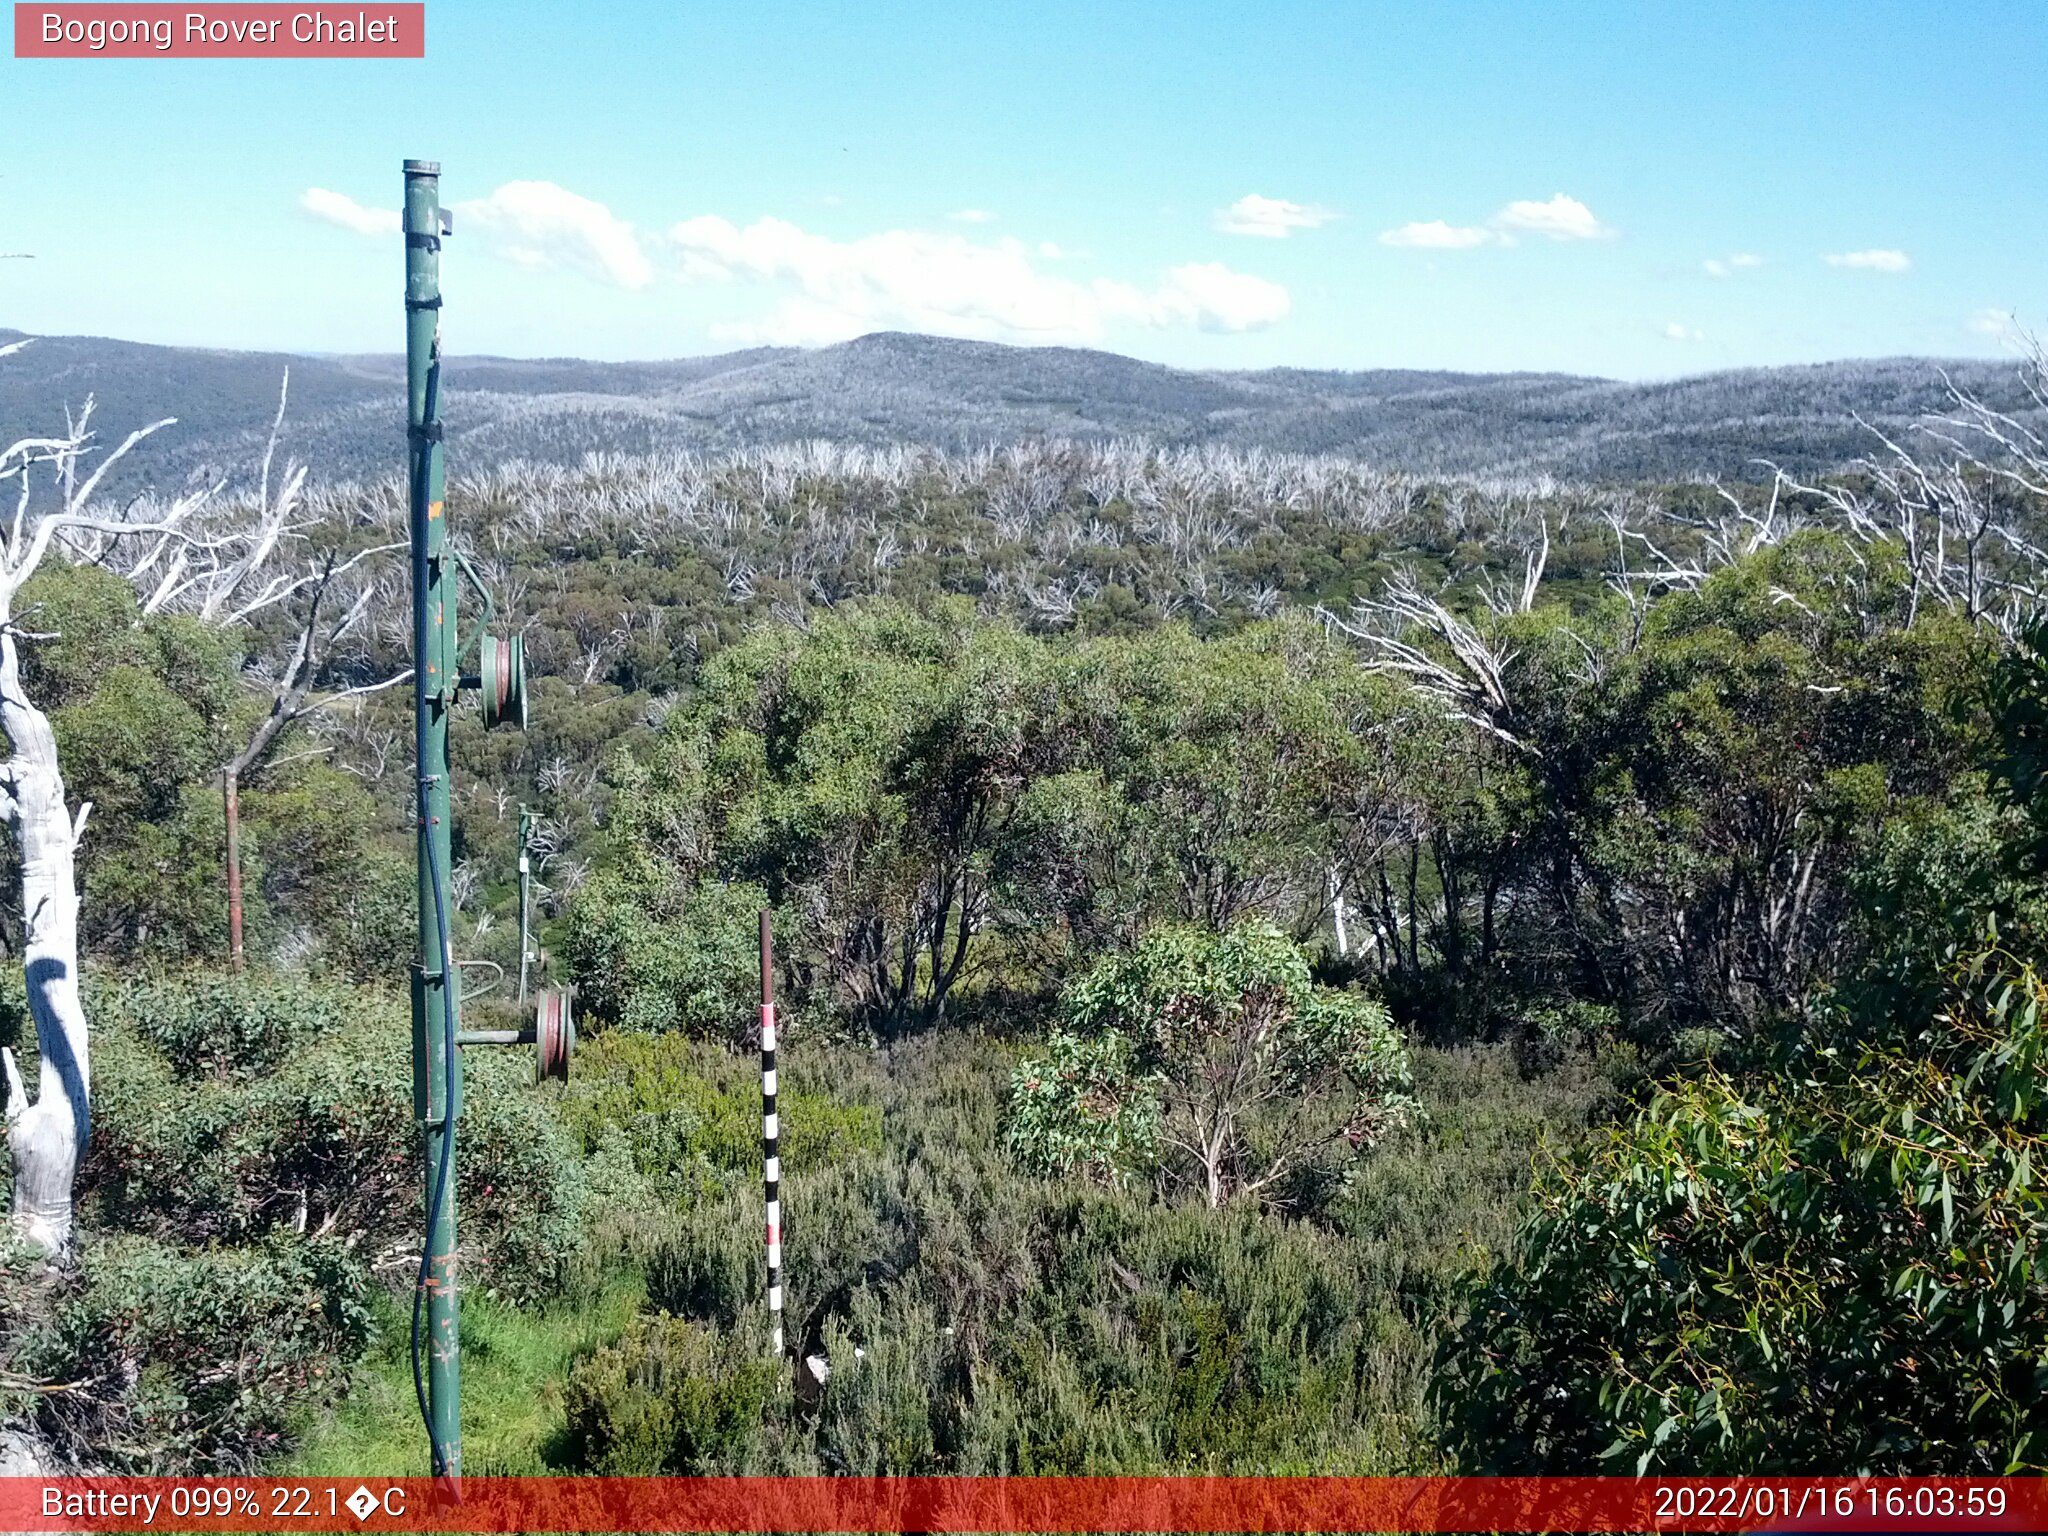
{"type": "Point", "coordinates": [514, 1361]}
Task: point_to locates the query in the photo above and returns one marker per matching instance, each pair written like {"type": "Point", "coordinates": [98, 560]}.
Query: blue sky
{"type": "Point", "coordinates": [1638, 190]}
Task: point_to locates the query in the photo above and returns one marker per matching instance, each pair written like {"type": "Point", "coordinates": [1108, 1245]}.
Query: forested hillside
{"type": "Point", "coordinates": [1288, 964]}
{"type": "Point", "coordinates": [885, 390]}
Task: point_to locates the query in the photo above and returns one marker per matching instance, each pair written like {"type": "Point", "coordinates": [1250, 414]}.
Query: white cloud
{"type": "Point", "coordinates": [1871, 261]}
{"type": "Point", "coordinates": [1436, 235]}
{"type": "Point", "coordinates": [538, 224]}
{"type": "Point", "coordinates": [1676, 331]}
{"type": "Point", "coordinates": [950, 285]}
{"type": "Point", "coordinates": [947, 283]}
{"type": "Point", "coordinates": [1270, 218]}
{"type": "Point", "coordinates": [1211, 297]}
{"type": "Point", "coordinates": [972, 216]}
{"type": "Point", "coordinates": [1723, 266]}
{"type": "Point", "coordinates": [1561, 218]}
{"type": "Point", "coordinates": [339, 208]}
{"type": "Point", "coordinates": [533, 223]}
{"type": "Point", "coordinates": [2000, 323]}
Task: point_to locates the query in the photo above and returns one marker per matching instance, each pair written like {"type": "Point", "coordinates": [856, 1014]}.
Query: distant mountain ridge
{"type": "Point", "coordinates": [891, 387]}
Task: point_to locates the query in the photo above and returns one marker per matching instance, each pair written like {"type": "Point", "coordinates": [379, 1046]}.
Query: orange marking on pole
{"type": "Point", "coordinates": [433, 510]}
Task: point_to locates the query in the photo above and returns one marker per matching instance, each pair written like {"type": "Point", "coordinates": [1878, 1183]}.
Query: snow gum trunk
{"type": "Point", "coordinates": [46, 1136]}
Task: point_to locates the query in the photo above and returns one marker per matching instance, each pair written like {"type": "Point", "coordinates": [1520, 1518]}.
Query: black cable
{"type": "Point", "coordinates": [421, 724]}
{"type": "Point", "coordinates": [446, 1163]}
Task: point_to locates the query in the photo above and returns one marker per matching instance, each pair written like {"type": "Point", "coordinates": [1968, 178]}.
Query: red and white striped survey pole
{"type": "Point", "coordinates": [771, 1160]}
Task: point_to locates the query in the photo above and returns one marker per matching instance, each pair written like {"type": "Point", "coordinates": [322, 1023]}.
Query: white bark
{"type": "Point", "coordinates": [48, 1135]}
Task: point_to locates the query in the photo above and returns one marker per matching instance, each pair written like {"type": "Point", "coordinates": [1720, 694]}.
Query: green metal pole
{"type": "Point", "coordinates": [437, 1065]}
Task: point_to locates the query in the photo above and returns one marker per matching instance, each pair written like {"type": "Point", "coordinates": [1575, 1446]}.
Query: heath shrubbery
{"type": "Point", "coordinates": [690, 1112]}
{"type": "Point", "coordinates": [231, 1108]}
{"type": "Point", "coordinates": [980, 1318]}
{"type": "Point", "coordinates": [254, 1167]}
{"type": "Point", "coordinates": [153, 1358]}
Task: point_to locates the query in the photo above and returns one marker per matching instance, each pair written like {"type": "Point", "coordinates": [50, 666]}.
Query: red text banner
{"type": "Point", "coordinates": [1026, 1504]}
{"type": "Point", "coordinates": [114, 31]}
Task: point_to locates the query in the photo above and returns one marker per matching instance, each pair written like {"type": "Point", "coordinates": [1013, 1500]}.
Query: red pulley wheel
{"type": "Point", "coordinates": [554, 1036]}
{"type": "Point", "coordinates": [501, 678]}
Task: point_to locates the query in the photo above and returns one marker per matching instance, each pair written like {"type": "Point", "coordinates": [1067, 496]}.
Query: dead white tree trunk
{"type": "Point", "coordinates": [48, 1134]}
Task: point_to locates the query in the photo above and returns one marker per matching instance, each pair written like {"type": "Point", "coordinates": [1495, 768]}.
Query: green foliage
{"type": "Point", "coordinates": [142, 709]}
{"type": "Point", "coordinates": [147, 708]}
{"type": "Point", "coordinates": [949, 812]}
{"type": "Point", "coordinates": [170, 1359]}
{"type": "Point", "coordinates": [671, 1397]}
{"type": "Point", "coordinates": [1735, 826]}
{"type": "Point", "coordinates": [373, 930]}
{"type": "Point", "coordinates": [1833, 1259]}
{"type": "Point", "coordinates": [253, 1151]}
{"type": "Point", "coordinates": [864, 772]}
{"type": "Point", "coordinates": [215, 1025]}
{"type": "Point", "coordinates": [315, 864]}
{"type": "Point", "coordinates": [660, 955]}
{"type": "Point", "coordinates": [1706, 791]}
{"type": "Point", "coordinates": [2019, 703]}
{"type": "Point", "coordinates": [1084, 1106]}
{"type": "Point", "coordinates": [1837, 1264]}
{"type": "Point", "coordinates": [1220, 1055]}
{"type": "Point", "coordinates": [954, 814]}
{"type": "Point", "coordinates": [235, 1109]}
{"type": "Point", "coordinates": [1208, 775]}
{"type": "Point", "coordinates": [689, 1111]}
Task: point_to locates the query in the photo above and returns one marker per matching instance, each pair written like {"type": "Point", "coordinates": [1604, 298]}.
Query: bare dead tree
{"type": "Point", "coordinates": [1961, 505]}
{"type": "Point", "coordinates": [292, 699]}
{"type": "Point", "coordinates": [196, 554]}
{"type": "Point", "coordinates": [1445, 655]}
{"type": "Point", "coordinates": [47, 1134]}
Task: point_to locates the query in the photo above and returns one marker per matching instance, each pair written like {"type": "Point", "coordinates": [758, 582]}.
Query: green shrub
{"type": "Point", "coordinates": [893, 1409]}
{"type": "Point", "coordinates": [1219, 1059]}
{"type": "Point", "coordinates": [175, 1361]}
{"type": "Point", "coordinates": [1833, 1258]}
{"type": "Point", "coordinates": [689, 1109]}
{"type": "Point", "coordinates": [213, 1024]}
{"type": "Point", "coordinates": [231, 1108]}
{"type": "Point", "coordinates": [671, 1397]}
{"type": "Point", "coordinates": [374, 929]}
{"type": "Point", "coordinates": [665, 960]}
{"type": "Point", "coordinates": [979, 1319]}
{"type": "Point", "coordinates": [841, 1225]}
{"type": "Point", "coordinates": [1083, 1106]}
{"type": "Point", "coordinates": [1834, 1263]}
